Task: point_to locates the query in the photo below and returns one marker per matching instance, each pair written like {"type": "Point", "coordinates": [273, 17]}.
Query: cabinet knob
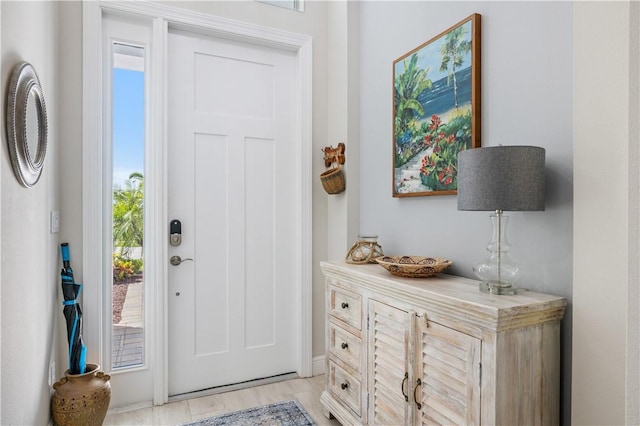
{"type": "Point", "coordinates": [344, 345]}
{"type": "Point", "coordinates": [344, 305]}
{"type": "Point", "coordinates": [344, 386]}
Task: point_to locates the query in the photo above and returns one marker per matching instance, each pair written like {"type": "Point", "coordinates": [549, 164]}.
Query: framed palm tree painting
{"type": "Point", "coordinates": [436, 110]}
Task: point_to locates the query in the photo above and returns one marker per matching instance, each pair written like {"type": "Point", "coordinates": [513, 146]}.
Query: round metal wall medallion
{"type": "Point", "coordinates": [26, 124]}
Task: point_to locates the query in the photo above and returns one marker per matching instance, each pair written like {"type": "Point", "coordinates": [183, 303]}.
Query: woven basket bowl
{"type": "Point", "coordinates": [414, 266]}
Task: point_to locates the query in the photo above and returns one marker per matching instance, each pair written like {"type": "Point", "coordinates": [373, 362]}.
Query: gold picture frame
{"type": "Point", "coordinates": [436, 110]}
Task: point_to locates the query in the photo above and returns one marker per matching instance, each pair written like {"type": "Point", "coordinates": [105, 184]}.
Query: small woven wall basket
{"type": "Point", "coordinates": [333, 180]}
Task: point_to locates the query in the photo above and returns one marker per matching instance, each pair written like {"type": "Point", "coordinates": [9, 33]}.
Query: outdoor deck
{"type": "Point", "coordinates": [128, 335]}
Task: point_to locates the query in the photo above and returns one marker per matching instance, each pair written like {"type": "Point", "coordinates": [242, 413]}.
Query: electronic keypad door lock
{"type": "Point", "coordinates": [175, 233]}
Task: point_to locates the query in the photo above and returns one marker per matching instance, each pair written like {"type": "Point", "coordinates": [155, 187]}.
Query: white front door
{"type": "Point", "coordinates": [231, 161]}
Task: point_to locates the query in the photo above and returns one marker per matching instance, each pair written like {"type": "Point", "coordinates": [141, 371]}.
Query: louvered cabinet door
{"type": "Point", "coordinates": [388, 364]}
{"type": "Point", "coordinates": [449, 369]}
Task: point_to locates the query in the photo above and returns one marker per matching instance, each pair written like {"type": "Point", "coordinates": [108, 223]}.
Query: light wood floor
{"type": "Point", "coordinates": [306, 391]}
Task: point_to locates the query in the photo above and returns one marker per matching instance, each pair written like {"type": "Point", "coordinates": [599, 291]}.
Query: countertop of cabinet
{"type": "Point", "coordinates": [444, 291]}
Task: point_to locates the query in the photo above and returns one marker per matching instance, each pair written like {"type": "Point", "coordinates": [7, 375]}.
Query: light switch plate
{"type": "Point", "coordinates": [52, 373]}
{"type": "Point", "coordinates": [55, 222]}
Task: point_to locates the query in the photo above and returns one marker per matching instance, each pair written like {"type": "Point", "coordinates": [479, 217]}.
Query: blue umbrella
{"type": "Point", "coordinates": [73, 314]}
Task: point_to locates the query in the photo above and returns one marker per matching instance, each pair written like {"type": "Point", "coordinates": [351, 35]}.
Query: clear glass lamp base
{"type": "Point", "coordinates": [498, 273]}
{"type": "Point", "coordinates": [497, 288]}
{"type": "Point", "coordinates": [498, 279]}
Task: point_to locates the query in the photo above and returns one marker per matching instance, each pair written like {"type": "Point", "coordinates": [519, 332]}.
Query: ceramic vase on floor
{"type": "Point", "coordinates": [81, 399]}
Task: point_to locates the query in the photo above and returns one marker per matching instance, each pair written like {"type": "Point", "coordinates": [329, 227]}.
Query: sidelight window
{"type": "Point", "coordinates": [127, 134]}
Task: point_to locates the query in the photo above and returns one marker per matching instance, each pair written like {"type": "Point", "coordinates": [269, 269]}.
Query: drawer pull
{"type": "Point", "coordinates": [344, 385]}
{"type": "Point", "coordinates": [344, 305]}
{"type": "Point", "coordinates": [406, 377]}
{"type": "Point", "coordinates": [418, 404]}
{"type": "Point", "coordinates": [344, 345]}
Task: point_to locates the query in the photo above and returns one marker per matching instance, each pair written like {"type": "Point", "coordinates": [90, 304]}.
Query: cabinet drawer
{"type": "Point", "coordinates": [345, 387]}
{"type": "Point", "coordinates": [345, 346]}
{"type": "Point", "coordinates": [345, 306]}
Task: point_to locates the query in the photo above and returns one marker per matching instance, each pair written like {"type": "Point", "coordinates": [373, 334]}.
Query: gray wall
{"type": "Point", "coordinates": [30, 308]}
{"type": "Point", "coordinates": [526, 100]}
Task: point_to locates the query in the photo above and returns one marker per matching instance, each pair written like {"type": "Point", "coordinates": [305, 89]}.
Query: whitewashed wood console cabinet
{"type": "Point", "coordinates": [438, 351]}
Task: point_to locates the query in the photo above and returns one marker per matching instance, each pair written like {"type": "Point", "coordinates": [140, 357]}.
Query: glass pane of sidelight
{"type": "Point", "coordinates": [297, 5]}
{"type": "Point", "coordinates": [128, 121]}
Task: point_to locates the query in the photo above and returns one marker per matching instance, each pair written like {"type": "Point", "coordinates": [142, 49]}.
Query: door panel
{"type": "Point", "coordinates": [259, 255]}
{"type": "Point", "coordinates": [449, 363]}
{"type": "Point", "coordinates": [230, 150]}
{"type": "Point", "coordinates": [388, 364]}
{"type": "Point", "coordinates": [211, 301]}
{"type": "Point", "coordinates": [227, 78]}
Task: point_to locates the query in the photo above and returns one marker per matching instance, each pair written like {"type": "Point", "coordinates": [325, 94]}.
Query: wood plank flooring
{"type": "Point", "coordinates": [306, 391]}
{"type": "Point", "coordinates": [128, 334]}
{"type": "Point", "coordinates": [127, 346]}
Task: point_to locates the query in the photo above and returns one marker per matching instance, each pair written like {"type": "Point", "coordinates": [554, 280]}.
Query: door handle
{"type": "Point", "coordinates": [177, 260]}
{"type": "Point", "coordinates": [415, 398]}
{"type": "Point", "coordinates": [405, 380]}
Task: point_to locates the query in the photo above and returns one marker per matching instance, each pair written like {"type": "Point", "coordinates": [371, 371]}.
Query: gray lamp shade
{"type": "Point", "coordinates": [508, 178]}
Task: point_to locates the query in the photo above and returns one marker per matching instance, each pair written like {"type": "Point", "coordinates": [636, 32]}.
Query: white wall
{"type": "Point", "coordinates": [606, 214]}
{"type": "Point", "coordinates": [526, 100]}
{"type": "Point", "coordinates": [30, 278]}
{"type": "Point", "coordinates": [343, 210]}
{"type": "Point", "coordinates": [633, 291]}
{"type": "Point", "coordinates": [70, 136]}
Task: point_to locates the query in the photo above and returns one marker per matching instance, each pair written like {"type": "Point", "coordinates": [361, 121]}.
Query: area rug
{"type": "Point", "coordinates": [285, 413]}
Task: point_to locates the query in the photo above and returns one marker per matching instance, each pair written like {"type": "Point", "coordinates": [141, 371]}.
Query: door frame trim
{"type": "Point", "coordinates": [165, 17]}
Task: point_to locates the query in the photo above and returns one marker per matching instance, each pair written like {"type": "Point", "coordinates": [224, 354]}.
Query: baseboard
{"type": "Point", "coordinates": [317, 368]}
{"type": "Point", "coordinates": [234, 387]}
{"type": "Point", "coordinates": [317, 365]}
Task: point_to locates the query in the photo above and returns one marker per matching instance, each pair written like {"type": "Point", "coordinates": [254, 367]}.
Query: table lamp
{"type": "Point", "coordinates": [499, 179]}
